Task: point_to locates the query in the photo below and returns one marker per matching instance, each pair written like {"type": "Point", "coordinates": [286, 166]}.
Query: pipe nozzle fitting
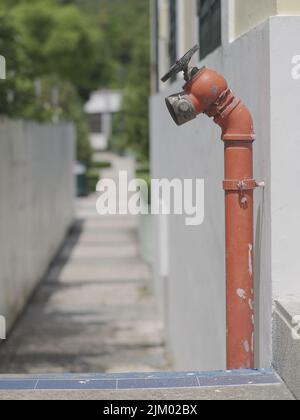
{"type": "Point", "coordinates": [181, 108]}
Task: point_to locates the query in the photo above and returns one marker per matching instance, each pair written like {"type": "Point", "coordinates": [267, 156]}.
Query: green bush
{"type": "Point", "coordinates": [93, 178]}
{"type": "Point", "coordinates": [55, 58]}
{"type": "Point", "coordinates": [145, 176]}
{"type": "Point", "coordinates": [100, 165]}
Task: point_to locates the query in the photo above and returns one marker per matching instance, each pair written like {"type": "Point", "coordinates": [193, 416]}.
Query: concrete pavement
{"type": "Point", "coordinates": [94, 310]}
{"type": "Point", "coordinates": [243, 393]}
{"type": "Point", "coordinates": [229, 385]}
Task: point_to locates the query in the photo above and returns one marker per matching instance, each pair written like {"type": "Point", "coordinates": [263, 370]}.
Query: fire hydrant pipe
{"type": "Point", "coordinates": [207, 92]}
{"type": "Point", "coordinates": [237, 133]}
{"type": "Point", "coordinates": [238, 137]}
{"type": "Point", "coordinates": [239, 257]}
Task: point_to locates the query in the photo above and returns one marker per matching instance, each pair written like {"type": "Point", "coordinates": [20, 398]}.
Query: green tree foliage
{"type": "Point", "coordinates": [73, 47]}
{"type": "Point", "coordinates": [51, 50]}
{"type": "Point", "coordinates": [126, 27]}
{"type": "Point", "coordinates": [124, 24]}
{"type": "Point", "coordinates": [56, 39]}
{"type": "Point", "coordinates": [136, 100]}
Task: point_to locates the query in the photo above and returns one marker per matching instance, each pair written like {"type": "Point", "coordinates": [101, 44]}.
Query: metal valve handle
{"type": "Point", "coordinates": [181, 65]}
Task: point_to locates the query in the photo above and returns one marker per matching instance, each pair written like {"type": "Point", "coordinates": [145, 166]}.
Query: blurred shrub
{"type": "Point", "coordinates": [100, 165]}
{"type": "Point", "coordinates": [53, 58]}
{"type": "Point", "coordinates": [58, 51]}
{"type": "Point", "coordinates": [93, 178]}
{"type": "Point", "coordinates": [136, 102]}
{"type": "Point", "coordinates": [145, 176]}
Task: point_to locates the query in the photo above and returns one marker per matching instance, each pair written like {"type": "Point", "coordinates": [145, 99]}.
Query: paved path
{"type": "Point", "coordinates": [236, 385]}
{"type": "Point", "coordinates": [228, 393]}
{"type": "Point", "coordinates": [94, 311]}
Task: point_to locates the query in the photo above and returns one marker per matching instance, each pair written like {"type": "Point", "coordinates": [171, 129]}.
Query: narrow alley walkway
{"type": "Point", "coordinates": [94, 311]}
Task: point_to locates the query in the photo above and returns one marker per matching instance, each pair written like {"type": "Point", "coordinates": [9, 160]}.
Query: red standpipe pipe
{"type": "Point", "coordinates": [239, 256]}
{"type": "Point", "coordinates": [209, 93]}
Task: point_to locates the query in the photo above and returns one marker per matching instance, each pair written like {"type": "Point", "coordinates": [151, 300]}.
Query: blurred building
{"type": "Point", "coordinates": [255, 44]}
{"type": "Point", "coordinates": [101, 108]}
{"type": "Point", "coordinates": [179, 24]}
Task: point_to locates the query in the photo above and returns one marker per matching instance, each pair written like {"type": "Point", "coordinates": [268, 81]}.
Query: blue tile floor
{"type": "Point", "coordinates": [131, 381]}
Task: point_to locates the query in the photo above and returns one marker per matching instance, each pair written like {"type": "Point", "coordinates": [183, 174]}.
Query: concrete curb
{"type": "Point", "coordinates": [286, 342]}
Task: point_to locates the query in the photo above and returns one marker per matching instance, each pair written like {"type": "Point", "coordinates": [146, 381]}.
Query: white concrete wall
{"type": "Point", "coordinates": [36, 205]}
{"type": "Point", "coordinates": [285, 155]}
{"type": "Point", "coordinates": [258, 68]}
{"type": "Point", "coordinates": [245, 15]}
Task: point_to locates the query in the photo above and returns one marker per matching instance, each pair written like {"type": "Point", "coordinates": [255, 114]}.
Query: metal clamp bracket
{"type": "Point", "coordinates": [240, 185]}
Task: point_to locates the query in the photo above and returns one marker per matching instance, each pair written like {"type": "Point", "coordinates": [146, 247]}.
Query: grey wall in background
{"type": "Point", "coordinates": [258, 68]}
{"type": "Point", "coordinates": [36, 205]}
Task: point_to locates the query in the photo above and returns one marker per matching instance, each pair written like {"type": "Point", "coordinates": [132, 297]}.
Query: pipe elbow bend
{"type": "Point", "coordinates": [208, 92]}
{"type": "Point", "coordinates": [237, 125]}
